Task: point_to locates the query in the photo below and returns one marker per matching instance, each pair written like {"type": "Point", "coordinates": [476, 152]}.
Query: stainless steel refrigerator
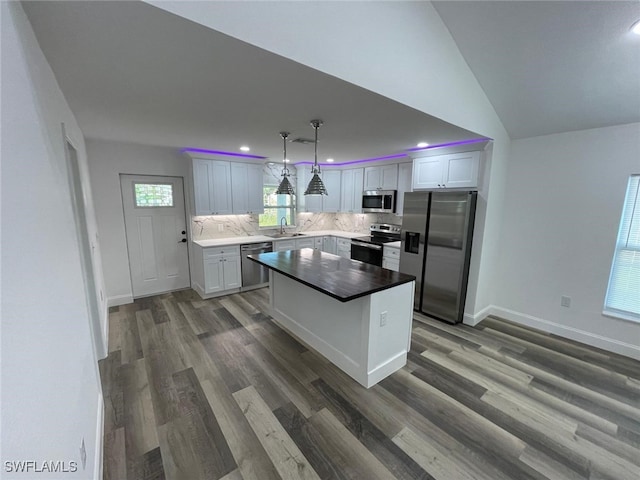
{"type": "Point", "coordinates": [437, 228]}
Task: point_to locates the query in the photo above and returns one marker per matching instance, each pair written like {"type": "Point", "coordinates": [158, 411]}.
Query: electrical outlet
{"type": "Point", "coordinates": [221, 227]}
{"type": "Point", "coordinates": [565, 301]}
{"type": "Point", "coordinates": [383, 319]}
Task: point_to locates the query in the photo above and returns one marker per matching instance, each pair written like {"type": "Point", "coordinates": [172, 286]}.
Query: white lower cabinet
{"type": "Point", "coordinates": [282, 245]}
{"type": "Point", "coordinates": [305, 243]}
{"type": "Point", "coordinates": [391, 258]}
{"type": "Point", "coordinates": [343, 247]}
{"type": "Point", "coordinates": [217, 269]}
{"type": "Point", "coordinates": [222, 270]}
{"type": "Point", "coordinates": [329, 244]}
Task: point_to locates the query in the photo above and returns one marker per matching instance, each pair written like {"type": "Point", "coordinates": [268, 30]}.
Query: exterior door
{"type": "Point", "coordinates": [156, 229]}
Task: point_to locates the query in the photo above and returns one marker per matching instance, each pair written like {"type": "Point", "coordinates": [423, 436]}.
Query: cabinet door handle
{"type": "Point", "coordinates": [184, 240]}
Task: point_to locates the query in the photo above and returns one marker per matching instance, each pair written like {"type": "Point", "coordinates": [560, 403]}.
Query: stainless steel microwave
{"type": "Point", "coordinates": [379, 201]}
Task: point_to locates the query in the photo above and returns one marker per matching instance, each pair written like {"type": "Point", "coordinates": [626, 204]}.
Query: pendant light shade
{"type": "Point", "coordinates": [285, 187]}
{"type": "Point", "coordinates": [316, 187]}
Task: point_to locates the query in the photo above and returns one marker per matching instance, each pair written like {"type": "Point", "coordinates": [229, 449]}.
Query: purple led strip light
{"type": "Point", "coordinates": [399, 155]}
{"type": "Point", "coordinates": [221, 152]}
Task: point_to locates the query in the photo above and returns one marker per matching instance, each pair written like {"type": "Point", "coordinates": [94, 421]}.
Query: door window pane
{"type": "Point", "coordinates": [153, 194]}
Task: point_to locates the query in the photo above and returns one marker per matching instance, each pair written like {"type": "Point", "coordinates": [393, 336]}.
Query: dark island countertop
{"type": "Point", "coordinates": [340, 278]}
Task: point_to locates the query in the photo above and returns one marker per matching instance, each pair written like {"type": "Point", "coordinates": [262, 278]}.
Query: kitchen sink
{"type": "Point", "coordinates": [286, 235]}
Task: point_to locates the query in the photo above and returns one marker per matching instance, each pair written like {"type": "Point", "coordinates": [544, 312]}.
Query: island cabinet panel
{"type": "Point", "coordinates": [357, 315]}
{"type": "Point", "coordinates": [368, 338]}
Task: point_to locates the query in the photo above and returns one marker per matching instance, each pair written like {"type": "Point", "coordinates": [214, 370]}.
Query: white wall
{"type": "Point", "coordinates": [107, 160]}
{"type": "Point", "coordinates": [563, 204]}
{"type": "Point", "coordinates": [401, 50]}
{"type": "Point", "coordinates": [51, 395]}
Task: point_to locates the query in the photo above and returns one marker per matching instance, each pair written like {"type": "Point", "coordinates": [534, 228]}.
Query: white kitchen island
{"type": "Point", "coordinates": [357, 315]}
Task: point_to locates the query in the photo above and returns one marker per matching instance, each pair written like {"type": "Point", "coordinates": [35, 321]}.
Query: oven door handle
{"type": "Point", "coordinates": [366, 245]}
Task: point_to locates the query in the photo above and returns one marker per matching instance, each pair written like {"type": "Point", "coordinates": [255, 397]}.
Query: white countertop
{"type": "Point", "coordinates": [392, 244]}
{"type": "Point", "coordinates": [221, 242]}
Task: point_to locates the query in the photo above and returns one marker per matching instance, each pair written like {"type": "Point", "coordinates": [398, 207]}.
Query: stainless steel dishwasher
{"type": "Point", "coordinates": [254, 275]}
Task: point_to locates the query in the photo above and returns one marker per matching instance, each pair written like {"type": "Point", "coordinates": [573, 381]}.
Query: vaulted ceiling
{"type": "Point", "coordinates": [134, 73]}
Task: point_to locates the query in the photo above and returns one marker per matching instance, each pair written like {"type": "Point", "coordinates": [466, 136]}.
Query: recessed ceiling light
{"type": "Point", "coordinates": [329, 160]}
{"type": "Point", "coordinates": [635, 28]}
{"type": "Point", "coordinates": [244, 148]}
{"type": "Point", "coordinates": [286, 160]}
{"type": "Point", "coordinates": [422, 145]}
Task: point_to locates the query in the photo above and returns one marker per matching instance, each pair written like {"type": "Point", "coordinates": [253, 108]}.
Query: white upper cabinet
{"type": "Point", "coordinates": [351, 188]}
{"type": "Point", "coordinates": [455, 170]}
{"type": "Point", "coordinates": [331, 180]}
{"type": "Point", "coordinates": [319, 203]}
{"type": "Point", "coordinates": [404, 184]}
{"type": "Point", "coordinates": [246, 188]}
{"type": "Point", "coordinates": [307, 203]}
{"type": "Point", "coordinates": [383, 177]}
{"type": "Point", "coordinates": [211, 185]}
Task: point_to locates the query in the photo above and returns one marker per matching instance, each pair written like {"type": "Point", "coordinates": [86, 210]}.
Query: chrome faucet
{"type": "Point", "coordinates": [285, 224]}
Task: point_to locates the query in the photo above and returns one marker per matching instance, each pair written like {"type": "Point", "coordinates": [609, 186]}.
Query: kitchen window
{"type": "Point", "coordinates": [276, 207]}
{"type": "Point", "coordinates": [622, 298]}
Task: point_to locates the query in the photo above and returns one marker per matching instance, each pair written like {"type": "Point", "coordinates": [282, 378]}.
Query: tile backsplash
{"type": "Point", "coordinates": [225, 226]}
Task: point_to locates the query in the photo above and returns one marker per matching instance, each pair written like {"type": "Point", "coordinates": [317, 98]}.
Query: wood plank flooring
{"type": "Point", "coordinates": [213, 390]}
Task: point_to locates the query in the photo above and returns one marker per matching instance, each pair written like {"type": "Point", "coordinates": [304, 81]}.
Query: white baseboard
{"type": "Point", "coordinates": [99, 445]}
{"type": "Point", "coordinates": [582, 336]}
{"type": "Point", "coordinates": [473, 320]}
{"type": "Point", "coordinates": [119, 300]}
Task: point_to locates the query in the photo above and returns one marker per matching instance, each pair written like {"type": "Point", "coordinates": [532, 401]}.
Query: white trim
{"type": "Point", "coordinates": [119, 300]}
{"type": "Point", "coordinates": [473, 320]}
{"type": "Point", "coordinates": [97, 462]}
{"type": "Point", "coordinates": [609, 344]}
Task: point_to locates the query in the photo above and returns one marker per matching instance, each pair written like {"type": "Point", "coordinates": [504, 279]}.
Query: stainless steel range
{"type": "Point", "coordinates": [368, 249]}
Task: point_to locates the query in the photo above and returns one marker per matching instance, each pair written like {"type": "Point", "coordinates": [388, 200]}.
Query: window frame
{"type": "Point", "coordinates": [266, 207]}
{"type": "Point", "coordinates": [135, 195]}
{"type": "Point", "coordinates": [627, 240]}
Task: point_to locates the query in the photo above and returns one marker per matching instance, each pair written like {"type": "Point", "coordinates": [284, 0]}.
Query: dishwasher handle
{"type": "Point", "coordinates": [257, 247]}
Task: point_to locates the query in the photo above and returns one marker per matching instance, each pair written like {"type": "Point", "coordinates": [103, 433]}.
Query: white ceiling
{"type": "Point", "coordinates": [549, 66]}
{"type": "Point", "coordinates": [134, 73]}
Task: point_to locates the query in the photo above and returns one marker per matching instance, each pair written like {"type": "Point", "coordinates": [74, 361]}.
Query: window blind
{"type": "Point", "coordinates": [623, 292]}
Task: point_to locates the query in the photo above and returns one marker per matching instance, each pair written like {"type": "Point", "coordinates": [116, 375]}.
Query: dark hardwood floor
{"type": "Point", "coordinates": [213, 389]}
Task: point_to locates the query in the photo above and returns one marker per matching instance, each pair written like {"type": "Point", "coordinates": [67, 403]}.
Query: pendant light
{"type": "Point", "coordinates": [316, 187]}
{"type": "Point", "coordinates": [285, 187]}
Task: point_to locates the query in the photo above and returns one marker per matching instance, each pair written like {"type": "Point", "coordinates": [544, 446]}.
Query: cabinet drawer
{"type": "Point", "coordinates": [215, 251]}
{"type": "Point", "coordinates": [344, 242]}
